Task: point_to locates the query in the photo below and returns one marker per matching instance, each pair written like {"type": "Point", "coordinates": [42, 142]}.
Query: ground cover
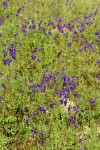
{"type": "Point", "coordinates": [49, 75]}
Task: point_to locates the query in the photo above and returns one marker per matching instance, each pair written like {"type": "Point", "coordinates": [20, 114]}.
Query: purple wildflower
{"type": "Point", "coordinates": [64, 78]}
{"type": "Point", "coordinates": [98, 76]}
{"type": "Point", "coordinates": [73, 86]}
{"type": "Point", "coordinates": [33, 57]}
{"type": "Point", "coordinates": [73, 119]}
{"type": "Point", "coordinates": [52, 104]}
{"type": "Point", "coordinates": [92, 101]}
{"type": "Point", "coordinates": [24, 29]}
{"type": "Point", "coordinates": [57, 73]}
{"type": "Point", "coordinates": [50, 33]}
{"type": "Point", "coordinates": [76, 108]}
{"type": "Point", "coordinates": [32, 27]}
{"type": "Point", "coordinates": [42, 137]}
{"type": "Point", "coordinates": [56, 37]}
{"type": "Point", "coordinates": [4, 4]}
{"type": "Point", "coordinates": [69, 109]}
{"type": "Point", "coordinates": [97, 33]}
{"type": "Point", "coordinates": [34, 132]}
{"type": "Point", "coordinates": [75, 126]}
{"type": "Point", "coordinates": [1, 21]}
{"type": "Point", "coordinates": [98, 61]}
{"type": "Point", "coordinates": [76, 95]}
{"type": "Point", "coordinates": [61, 101]}
{"type": "Point", "coordinates": [69, 44]}
{"type": "Point", "coordinates": [3, 86]}
{"type": "Point", "coordinates": [95, 12]}
{"type": "Point", "coordinates": [65, 102]}
{"type": "Point", "coordinates": [0, 74]}
{"type": "Point", "coordinates": [7, 62]}
{"type": "Point", "coordinates": [50, 23]}
{"type": "Point", "coordinates": [12, 51]}
{"type": "Point", "coordinates": [58, 19]}
{"type": "Point", "coordinates": [69, 27]}
{"type": "Point", "coordinates": [80, 139]}
{"type": "Point", "coordinates": [42, 109]}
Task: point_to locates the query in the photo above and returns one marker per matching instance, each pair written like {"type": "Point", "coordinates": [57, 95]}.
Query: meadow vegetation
{"type": "Point", "coordinates": [50, 75]}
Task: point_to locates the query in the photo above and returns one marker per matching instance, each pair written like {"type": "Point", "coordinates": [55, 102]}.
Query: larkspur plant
{"type": "Point", "coordinates": [49, 74]}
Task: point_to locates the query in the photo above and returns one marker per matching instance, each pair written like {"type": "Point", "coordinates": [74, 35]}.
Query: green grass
{"type": "Point", "coordinates": [18, 102]}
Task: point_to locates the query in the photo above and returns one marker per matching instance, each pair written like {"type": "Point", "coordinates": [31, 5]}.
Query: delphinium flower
{"type": "Point", "coordinates": [44, 31]}
{"type": "Point", "coordinates": [69, 44]}
{"type": "Point", "coordinates": [97, 33]}
{"type": "Point", "coordinates": [69, 27]}
{"type": "Point", "coordinates": [50, 23]}
{"type": "Point", "coordinates": [33, 57]}
{"type": "Point", "coordinates": [8, 16]}
{"type": "Point", "coordinates": [0, 74]}
{"type": "Point", "coordinates": [58, 19]}
{"type": "Point", "coordinates": [18, 11]}
{"type": "Point", "coordinates": [52, 104]}
{"type": "Point", "coordinates": [34, 132]}
{"type": "Point", "coordinates": [12, 51]}
{"type": "Point", "coordinates": [66, 92]}
{"type": "Point", "coordinates": [76, 108]}
{"type": "Point", "coordinates": [49, 32]}
{"type": "Point", "coordinates": [73, 119]}
{"type": "Point", "coordinates": [0, 34]}
{"type": "Point", "coordinates": [76, 95]}
{"type": "Point", "coordinates": [95, 13]}
{"type": "Point", "coordinates": [62, 60]}
{"type": "Point", "coordinates": [98, 61]}
{"type": "Point", "coordinates": [3, 86]}
{"type": "Point", "coordinates": [75, 126]}
{"type": "Point", "coordinates": [39, 24]}
{"type": "Point", "coordinates": [69, 109]}
{"type": "Point", "coordinates": [56, 37]}
{"type": "Point", "coordinates": [42, 109]}
{"type": "Point", "coordinates": [82, 35]}
{"type": "Point", "coordinates": [42, 138]}
{"type": "Point", "coordinates": [65, 102]}
{"type": "Point", "coordinates": [61, 101]}
{"type": "Point", "coordinates": [73, 86]}
{"type": "Point", "coordinates": [24, 29]}
{"type": "Point", "coordinates": [64, 78]}
{"type": "Point", "coordinates": [7, 61]}
{"type": "Point", "coordinates": [57, 73]}
{"type": "Point", "coordinates": [1, 21]}
{"type": "Point", "coordinates": [15, 34]}
{"type": "Point", "coordinates": [92, 101]}
{"type": "Point", "coordinates": [34, 113]}
{"type": "Point", "coordinates": [80, 139]}
{"type": "Point", "coordinates": [98, 76]}
{"type": "Point", "coordinates": [5, 4]}
{"type": "Point", "coordinates": [60, 28]}
{"type": "Point", "coordinates": [38, 59]}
